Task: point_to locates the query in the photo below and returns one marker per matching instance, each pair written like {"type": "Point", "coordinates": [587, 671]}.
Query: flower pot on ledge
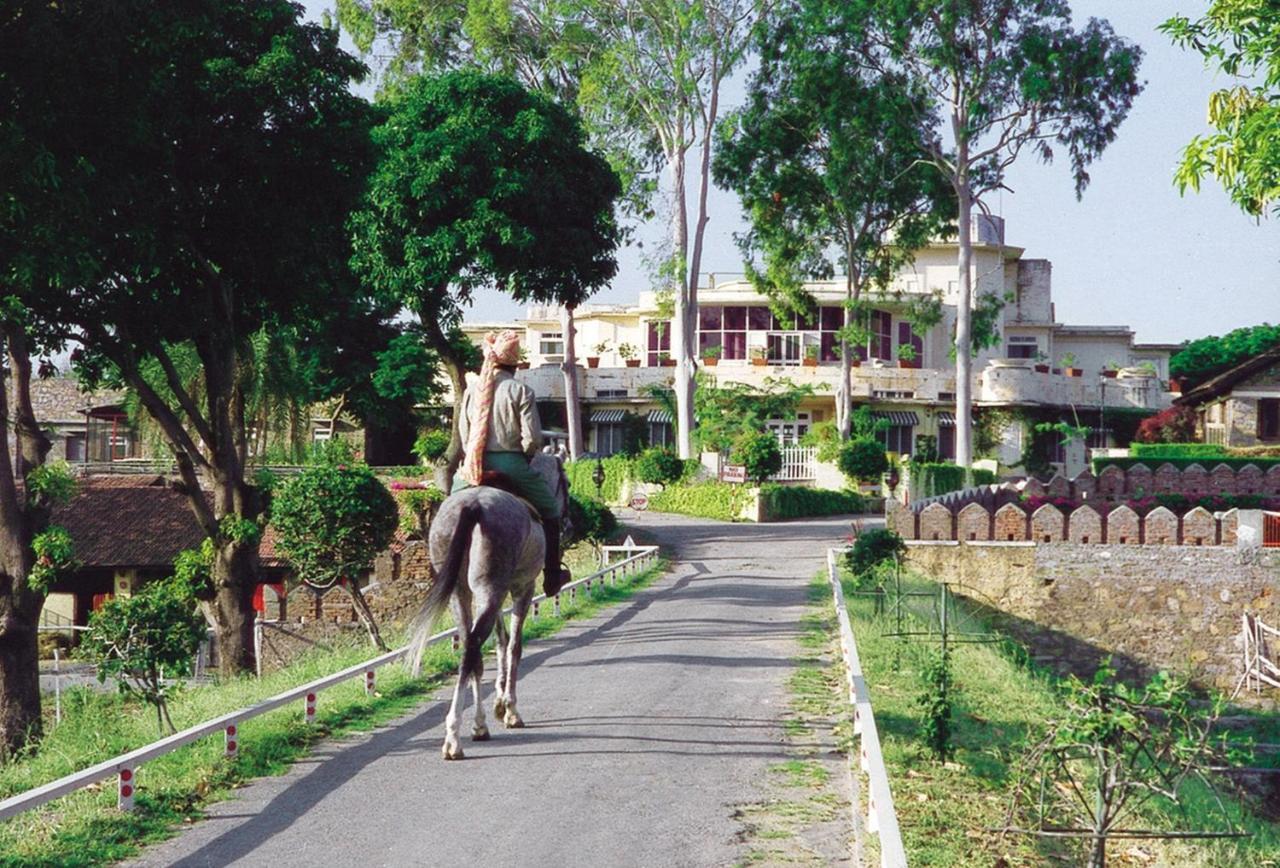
{"type": "Point", "coordinates": [667, 363]}
{"type": "Point", "coordinates": [593, 361]}
{"type": "Point", "coordinates": [759, 362]}
{"type": "Point", "coordinates": [809, 363]}
{"type": "Point", "coordinates": [633, 363]}
{"type": "Point", "coordinates": [710, 361]}
{"type": "Point", "coordinates": [1110, 374]}
{"type": "Point", "coordinates": [1073, 372]}
{"type": "Point", "coordinates": [908, 363]}
{"type": "Point", "coordinates": [1042, 369]}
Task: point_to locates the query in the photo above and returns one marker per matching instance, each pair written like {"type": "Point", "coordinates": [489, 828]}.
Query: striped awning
{"type": "Point", "coordinates": [607, 416]}
{"type": "Point", "coordinates": [945, 419]}
{"type": "Point", "coordinates": [660, 417]}
{"type": "Point", "coordinates": [898, 417]}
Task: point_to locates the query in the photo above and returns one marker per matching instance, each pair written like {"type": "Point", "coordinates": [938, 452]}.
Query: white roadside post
{"type": "Point", "coordinates": [233, 743]}
{"type": "Point", "coordinates": [124, 791]}
{"type": "Point", "coordinates": [310, 713]}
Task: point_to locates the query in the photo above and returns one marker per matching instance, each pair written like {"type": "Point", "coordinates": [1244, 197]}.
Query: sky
{"type": "Point", "coordinates": [1131, 252]}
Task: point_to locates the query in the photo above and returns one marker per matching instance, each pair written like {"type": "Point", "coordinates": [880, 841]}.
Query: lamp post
{"type": "Point", "coordinates": [597, 476]}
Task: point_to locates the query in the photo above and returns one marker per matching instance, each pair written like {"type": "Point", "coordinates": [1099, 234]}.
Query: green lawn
{"type": "Point", "coordinates": [946, 811]}
{"type": "Point", "coordinates": [85, 829]}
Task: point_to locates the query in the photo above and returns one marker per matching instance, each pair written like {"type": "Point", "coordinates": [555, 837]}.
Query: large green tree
{"type": "Point", "coordinates": [226, 152]}
{"type": "Point", "coordinates": [482, 182]}
{"type": "Point", "coordinates": [1007, 77]}
{"type": "Point", "coordinates": [1202, 358]}
{"type": "Point", "coordinates": [830, 166]}
{"type": "Point", "coordinates": [1240, 38]}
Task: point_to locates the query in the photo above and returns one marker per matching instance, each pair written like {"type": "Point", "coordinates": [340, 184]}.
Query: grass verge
{"type": "Point", "coordinates": [946, 810]}
{"type": "Point", "coordinates": [85, 828]}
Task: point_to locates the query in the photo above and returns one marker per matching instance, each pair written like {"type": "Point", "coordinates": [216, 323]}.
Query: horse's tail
{"type": "Point", "coordinates": [445, 584]}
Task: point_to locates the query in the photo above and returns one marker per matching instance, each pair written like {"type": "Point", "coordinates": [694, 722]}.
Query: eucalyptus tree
{"type": "Point", "coordinates": [829, 163]}
{"type": "Point", "coordinates": [481, 182]}
{"type": "Point", "coordinates": [1007, 77]}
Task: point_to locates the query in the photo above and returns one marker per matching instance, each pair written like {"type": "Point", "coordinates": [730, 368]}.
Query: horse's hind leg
{"type": "Point", "coordinates": [452, 748]}
{"type": "Point", "coordinates": [510, 717]}
{"type": "Point", "coordinates": [500, 682]}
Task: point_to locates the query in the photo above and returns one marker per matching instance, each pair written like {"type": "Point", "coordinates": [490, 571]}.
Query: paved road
{"type": "Point", "coordinates": [646, 725]}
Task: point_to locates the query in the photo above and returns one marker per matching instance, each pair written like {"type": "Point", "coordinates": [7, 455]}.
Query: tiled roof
{"type": "Point", "coordinates": [1223, 383]}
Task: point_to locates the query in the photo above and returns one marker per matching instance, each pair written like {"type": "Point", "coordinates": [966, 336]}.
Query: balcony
{"type": "Point", "coordinates": [1013, 381]}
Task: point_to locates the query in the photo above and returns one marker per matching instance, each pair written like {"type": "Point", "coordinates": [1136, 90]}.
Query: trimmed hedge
{"type": "Point", "coordinates": [1207, 462]}
{"type": "Point", "coordinates": [591, 519]}
{"type": "Point", "coordinates": [938, 478]}
{"type": "Point", "coordinates": [720, 500]}
{"type": "Point", "coordinates": [786, 501]}
{"type": "Point", "coordinates": [1175, 450]}
{"type": "Point", "coordinates": [617, 470]}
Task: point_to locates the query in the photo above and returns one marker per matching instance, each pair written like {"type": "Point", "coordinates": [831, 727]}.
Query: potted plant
{"type": "Point", "coordinates": [1110, 370]}
{"type": "Point", "coordinates": [665, 360]}
{"type": "Point", "coordinates": [522, 360]}
{"type": "Point", "coordinates": [1175, 385]}
{"type": "Point", "coordinates": [907, 357]}
{"type": "Point", "coordinates": [810, 356]}
{"type": "Point", "coordinates": [1068, 363]}
{"type": "Point", "coordinates": [1042, 363]}
{"type": "Point", "coordinates": [711, 355]}
{"type": "Point", "coordinates": [599, 349]}
{"type": "Point", "coordinates": [629, 355]}
{"type": "Point", "coordinates": [759, 356]}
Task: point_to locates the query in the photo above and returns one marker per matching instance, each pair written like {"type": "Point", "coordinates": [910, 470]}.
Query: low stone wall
{"type": "Point", "coordinates": [1149, 607]}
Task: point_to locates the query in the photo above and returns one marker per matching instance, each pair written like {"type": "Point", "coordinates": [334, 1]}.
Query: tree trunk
{"type": "Point", "coordinates": [964, 307]}
{"type": "Point", "coordinates": [230, 610]}
{"type": "Point", "coordinates": [572, 406]}
{"type": "Point", "coordinates": [683, 385]}
{"type": "Point", "coordinates": [844, 393]}
{"type": "Point", "coordinates": [19, 677]}
{"type": "Point", "coordinates": [364, 613]}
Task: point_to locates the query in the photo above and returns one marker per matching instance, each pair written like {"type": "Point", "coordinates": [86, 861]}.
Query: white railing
{"type": "Point", "coordinates": [1259, 666]}
{"type": "Point", "coordinates": [881, 817]}
{"type": "Point", "coordinates": [798, 464]}
{"type": "Point", "coordinates": [125, 767]}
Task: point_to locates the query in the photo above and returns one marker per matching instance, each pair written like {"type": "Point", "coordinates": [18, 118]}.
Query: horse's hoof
{"type": "Point", "coordinates": [499, 708]}
{"type": "Point", "coordinates": [452, 752]}
{"type": "Point", "coordinates": [480, 733]}
{"type": "Point", "coordinates": [512, 720]}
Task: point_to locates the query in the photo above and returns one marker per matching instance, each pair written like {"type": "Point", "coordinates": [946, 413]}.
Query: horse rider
{"type": "Point", "coordinates": [501, 431]}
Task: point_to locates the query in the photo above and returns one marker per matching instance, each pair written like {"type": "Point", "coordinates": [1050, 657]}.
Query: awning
{"type": "Point", "coordinates": [945, 419]}
{"type": "Point", "coordinates": [607, 416]}
{"type": "Point", "coordinates": [660, 417]}
{"type": "Point", "coordinates": [898, 417]}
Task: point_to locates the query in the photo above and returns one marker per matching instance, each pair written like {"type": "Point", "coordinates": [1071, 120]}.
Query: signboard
{"type": "Point", "coordinates": [733, 473]}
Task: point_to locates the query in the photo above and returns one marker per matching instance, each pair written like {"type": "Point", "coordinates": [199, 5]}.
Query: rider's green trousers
{"type": "Point", "coordinates": [515, 466]}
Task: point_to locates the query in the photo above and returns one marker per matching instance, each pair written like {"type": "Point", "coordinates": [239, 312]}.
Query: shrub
{"type": "Point", "coordinates": [431, 446]}
{"type": "Point", "coordinates": [658, 466]}
{"type": "Point", "coordinates": [759, 453]}
{"type": "Point", "coordinates": [787, 501]}
{"type": "Point", "coordinates": [932, 479]}
{"type": "Point", "coordinates": [872, 548]}
{"type": "Point", "coordinates": [863, 460]}
{"type": "Point", "coordinates": [935, 703]}
{"type": "Point", "coordinates": [590, 519]}
{"type": "Point", "coordinates": [1207, 462]}
{"type": "Point", "coordinates": [142, 640]}
{"type": "Point", "coordinates": [720, 500]}
{"type": "Point", "coordinates": [1174, 425]}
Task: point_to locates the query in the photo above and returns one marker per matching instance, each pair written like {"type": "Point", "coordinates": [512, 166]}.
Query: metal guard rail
{"type": "Point", "coordinates": [125, 766]}
{"type": "Point", "coordinates": [882, 819]}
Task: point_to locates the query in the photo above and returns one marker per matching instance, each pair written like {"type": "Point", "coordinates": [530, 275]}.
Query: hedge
{"type": "Point", "coordinates": [934, 479]}
{"type": "Point", "coordinates": [1207, 462]}
{"type": "Point", "coordinates": [1175, 450]}
{"type": "Point", "coordinates": [719, 500]}
{"type": "Point", "coordinates": [787, 501]}
{"type": "Point", "coordinates": [617, 470]}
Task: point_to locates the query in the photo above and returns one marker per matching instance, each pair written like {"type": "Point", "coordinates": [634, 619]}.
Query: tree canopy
{"type": "Point", "coordinates": [1240, 38]}
{"type": "Point", "coordinates": [1206, 357]}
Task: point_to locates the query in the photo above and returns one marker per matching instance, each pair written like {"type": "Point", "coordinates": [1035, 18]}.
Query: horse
{"type": "Point", "coordinates": [486, 544]}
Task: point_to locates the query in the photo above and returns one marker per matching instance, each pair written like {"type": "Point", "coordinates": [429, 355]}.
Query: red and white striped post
{"type": "Point", "coordinates": [233, 743]}
{"type": "Point", "coordinates": [124, 799]}
{"type": "Point", "coordinates": [368, 683]}
{"type": "Point", "coordinates": [310, 715]}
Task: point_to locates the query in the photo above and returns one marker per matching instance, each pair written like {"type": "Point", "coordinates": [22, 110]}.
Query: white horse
{"type": "Point", "coordinates": [486, 544]}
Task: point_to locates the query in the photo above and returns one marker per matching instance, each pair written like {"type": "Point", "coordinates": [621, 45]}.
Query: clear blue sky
{"type": "Point", "coordinates": [1133, 252]}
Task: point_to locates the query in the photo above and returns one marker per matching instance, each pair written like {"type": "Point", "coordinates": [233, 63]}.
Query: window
{"type": "Point", "coordinates": [898, 438]}
{"type": "Point", "coordinates": [789, 431]}
{"type": "Point", "coordinates": [611, 393]}
{"type": "Point", "coordinates": [551, 345]}
{"type": "Point", "coordinates": [881, 335]}
{"type": "Point", "coordinates": [1022, 347]}
{"type": "Point", "coordinates": [908, 337]}
{"type": "Point", "coordinates": [1269, 419]}
{"type": "Point", "coordinates": [661, 434]}
{"type": "Point", "coordinates": [608, 438]}
{"type": "Point", "coordinates": [659, 342]}
{"type": "Point", "coordinates": [75, 447]}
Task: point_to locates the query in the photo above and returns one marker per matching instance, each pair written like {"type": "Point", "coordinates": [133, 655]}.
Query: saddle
{"type": "Point", "coordinates": [502, 482]}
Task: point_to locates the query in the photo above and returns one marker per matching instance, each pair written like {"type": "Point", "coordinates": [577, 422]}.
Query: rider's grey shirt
{"type": "Point", "coordinates": [514, 425]}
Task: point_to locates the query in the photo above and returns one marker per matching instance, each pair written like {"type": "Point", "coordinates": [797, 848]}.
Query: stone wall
{"type": "Point", "coordinates": [1149, 607]}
